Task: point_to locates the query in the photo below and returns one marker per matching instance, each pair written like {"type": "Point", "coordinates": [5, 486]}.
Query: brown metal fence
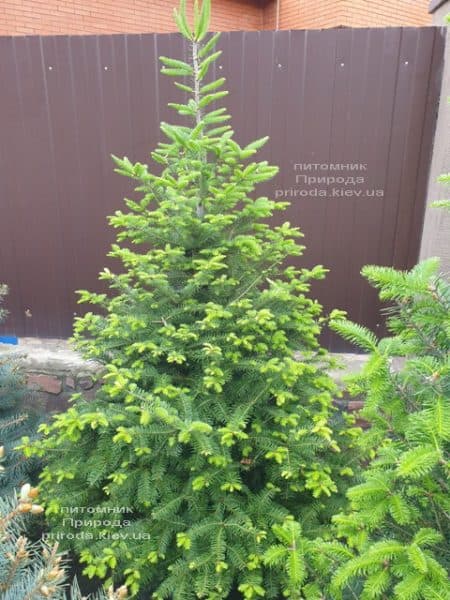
{"type": "Point", "coordinates": [350, 113]}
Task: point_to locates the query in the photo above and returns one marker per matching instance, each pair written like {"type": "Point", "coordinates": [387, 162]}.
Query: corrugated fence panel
{"type": "Point", "coordinates": [342, 96]}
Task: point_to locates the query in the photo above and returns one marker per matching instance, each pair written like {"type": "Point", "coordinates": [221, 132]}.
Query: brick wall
{"type": "Point", "coordinates": [317, 14]}
{"type": "Point", "coordinates": [24, 17]}
{"type": "Point", "coordinates": [303, 14]}
{"type": "Point", "coordinates": [380, 13]}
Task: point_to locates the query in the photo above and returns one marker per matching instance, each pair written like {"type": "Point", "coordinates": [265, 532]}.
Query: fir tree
{"type": "Point", "coordinates": [209, 429]}
{"type": "Point", "coordinates": [398, 524]}
{"type": "Point", "coordinates": [17, 419]}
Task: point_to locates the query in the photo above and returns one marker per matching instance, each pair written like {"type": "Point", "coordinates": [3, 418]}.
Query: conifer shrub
{"type": "Point", "coordinates": [212, 454]}
{"type": "Point", "coordinates": [17, 419]}
{"type": "Point", "coordinates": [397, 526]}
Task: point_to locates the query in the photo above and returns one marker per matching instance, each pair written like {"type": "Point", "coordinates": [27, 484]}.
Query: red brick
{"type": "Point", "coordinates": [355, 405]}
{"type": "Point", "coordinates": [44, 383]}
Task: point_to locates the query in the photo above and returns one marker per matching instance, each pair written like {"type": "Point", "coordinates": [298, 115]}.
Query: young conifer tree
{"type": "Point", "coordinates": [209, 431]}
{"type": "Point", "coordinates": [397, 526]}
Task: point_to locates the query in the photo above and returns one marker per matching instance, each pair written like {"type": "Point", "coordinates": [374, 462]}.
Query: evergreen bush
{"type": "Point", "coordinates": [213, 429]}
{"type": "Point", "coordinates": [397, 527]}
